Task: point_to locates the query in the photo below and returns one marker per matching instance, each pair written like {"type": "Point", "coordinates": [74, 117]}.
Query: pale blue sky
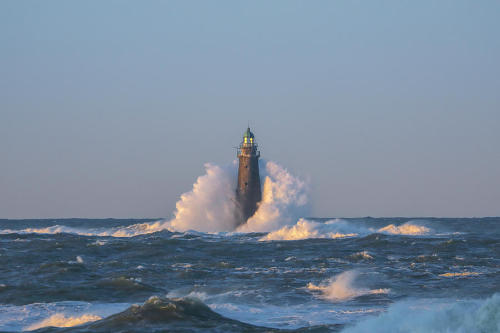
{"type": "Point", "coordinates": [111, 108]}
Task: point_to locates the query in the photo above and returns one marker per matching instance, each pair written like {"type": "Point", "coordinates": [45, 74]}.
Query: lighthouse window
{"type": "Point", "coordinates": [251, 140]}
{"type": "Point", "coordinates": [246, 140]}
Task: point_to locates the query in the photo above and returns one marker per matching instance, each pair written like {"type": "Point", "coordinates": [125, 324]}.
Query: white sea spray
{"type": "Point", "coordinates": [341, 288]}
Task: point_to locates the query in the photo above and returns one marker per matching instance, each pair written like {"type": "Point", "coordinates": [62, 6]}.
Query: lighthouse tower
{"type": "Point", "coordinates": [248, 193]}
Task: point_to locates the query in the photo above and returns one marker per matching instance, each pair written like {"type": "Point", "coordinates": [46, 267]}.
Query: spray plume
{"type": "Point", "coordinates": [211, 205]}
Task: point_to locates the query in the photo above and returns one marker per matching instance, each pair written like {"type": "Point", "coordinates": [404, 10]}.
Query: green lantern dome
{"type": "Point", "coordinates": [248, 134]}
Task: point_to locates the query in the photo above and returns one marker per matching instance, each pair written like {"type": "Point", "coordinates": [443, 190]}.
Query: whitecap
{"type": "Point", "coordinates": [459, 274]}
{"type": "Point", "coordinates": [407, 228]}
{"type": "Point", "coordinates": [341, 288]}
{"type": "Point", "coordinates": [305, 229]}
{"type": "Point", "coordinates": [361, 255]}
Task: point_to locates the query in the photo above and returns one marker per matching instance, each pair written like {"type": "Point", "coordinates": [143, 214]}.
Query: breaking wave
{"type": "Point", "coordinates": [305, 229]}
{"type": "Point", "coordinates": [60, 320]}
{"type": "Point", "coordinates": [340, 288]}
{"type": "Point", "coordinates": [338, 228]}
{"type": "Point", "coordinates": [210, 205]}
{"type": "Point", "coordinates": [459, 317]}
{"type": "Point", "coordinates": [407, 228]}
{"type": "Point", "coordinates": [284, 200]}
{"type": "Point", "coordinates": [362, 255]}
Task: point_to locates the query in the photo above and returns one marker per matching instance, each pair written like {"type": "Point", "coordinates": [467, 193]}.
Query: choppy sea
{"type": "Point", "coordinates": [319, 275]}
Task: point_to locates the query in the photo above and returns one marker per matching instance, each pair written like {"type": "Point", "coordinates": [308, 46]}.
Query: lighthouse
{"type": "Point", "coordinates": [248, 193]}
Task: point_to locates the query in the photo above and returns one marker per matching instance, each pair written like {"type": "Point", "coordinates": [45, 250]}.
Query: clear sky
{"type": "Point", "coordinates": [111, 108]}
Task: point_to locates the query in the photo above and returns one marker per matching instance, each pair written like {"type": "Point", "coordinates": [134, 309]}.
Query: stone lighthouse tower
{"type": "Point", "coordinates": [248, 193]}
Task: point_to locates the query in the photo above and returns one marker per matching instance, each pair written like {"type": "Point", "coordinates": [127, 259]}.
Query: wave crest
{"type": "Point", "coordinates": [339, 228]}
{"type": "Point", "coordinates": [362, 255]}
{"type": "Point", "coordinates": [407, 228]}
{"type": "Point", "coordinates": [305, 229]}
{"type": "Point", "coordinates": [340, 288]}
{"type": "Point", "coordinates": [460, 317]}
{"type": "Point", "coordinates": [60, 320]}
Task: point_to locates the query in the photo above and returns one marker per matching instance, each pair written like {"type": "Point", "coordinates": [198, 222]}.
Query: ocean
{"type": "Point", "coordinates": [352, 275]}
{"type": "Point", "coordinates": [280, 271]}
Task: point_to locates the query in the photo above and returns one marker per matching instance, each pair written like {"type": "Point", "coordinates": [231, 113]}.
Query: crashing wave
{"type": "Point", "coordinates": [339, 228]}
{"type": "Point", "coordinates": [460, 317]}
{"type": "Point", "coordinates": [284, 200]}
{"type": "Point", "coordinates": [305, 229]}
{"type": "Point", "coordinates": [340, 288]}
{"type": "Point", "coordinates": [407, 228]}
